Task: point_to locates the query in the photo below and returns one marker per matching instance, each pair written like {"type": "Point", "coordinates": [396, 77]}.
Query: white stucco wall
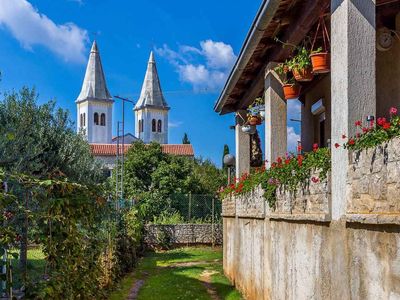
{"type": "Point", "coordinates": [96, 134]}
{"type": "Point", "coordinates": [147, 114]}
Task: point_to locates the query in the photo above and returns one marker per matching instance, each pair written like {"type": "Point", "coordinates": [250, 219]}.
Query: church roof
{"type": "Point", "coordinates": [111, 149]}
{"type": "Point", "coordinates": [151, 94]}
{"type": "Point", "coordinates": [94, 85]}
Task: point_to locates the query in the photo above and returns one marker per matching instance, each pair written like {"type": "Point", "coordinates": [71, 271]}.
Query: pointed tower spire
{"type": "Point", "coordinates": [94, 85]}
{"type": "Point", "coordinates": [151, 94]}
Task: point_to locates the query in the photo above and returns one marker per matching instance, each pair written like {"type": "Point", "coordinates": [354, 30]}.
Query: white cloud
{"type": "Point", "coordinates": [292, 139]}
{"type": "Point", "coordinates": [218, 54]}
{"type": "Point", "coordinates": [294, 109]}
{"type": "Point", "coordinates": [205, 68]}
{"type": "Point", "coordinates": [172, 124]}
{"type": "Point", "coordinates": [31, 28]}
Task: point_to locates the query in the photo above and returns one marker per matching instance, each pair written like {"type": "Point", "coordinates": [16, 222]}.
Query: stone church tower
{"type": "Point", "coordinates": [151, 110]}
{"type": "Point", "coordinates": [95, 103]}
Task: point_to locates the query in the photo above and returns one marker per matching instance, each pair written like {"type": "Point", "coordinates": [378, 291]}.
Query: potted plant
{"type": "Point", "coordinates": [321, 61]}
{"type": "Point", "coordinates": [254, 119]}
{"type": "Point", "coordinates": [257, 108]}
{"type": "Point", "coordinates": [300, 65]}
{"type": "Point", "coordinates": [321, 58]}
{"type": "Point", "coordinates": [291, 89]}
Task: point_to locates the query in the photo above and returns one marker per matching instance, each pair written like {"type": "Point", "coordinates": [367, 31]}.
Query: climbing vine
{"type": "Point", "coordinates": [84, 238]}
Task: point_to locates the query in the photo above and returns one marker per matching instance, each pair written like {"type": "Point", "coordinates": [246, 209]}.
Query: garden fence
{"type": "Point", "coordinates": [195, 208]}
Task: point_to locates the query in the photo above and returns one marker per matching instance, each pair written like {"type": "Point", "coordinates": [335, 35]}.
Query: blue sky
{"type": "Point", "coordinates": [46, 43]}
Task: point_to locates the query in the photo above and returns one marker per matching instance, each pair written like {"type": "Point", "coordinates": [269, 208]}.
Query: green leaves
{"type": "Point", "coordinates": [288, 173]}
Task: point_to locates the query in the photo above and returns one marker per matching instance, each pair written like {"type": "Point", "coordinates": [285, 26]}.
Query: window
{"type": "Point", "coordinates": [84, 119]}
{"type": "Point", "coordinates": [140, 125]}
{"type": "Point", "coordinates": [96, 119]}
{"type": "Point", "coordinates": [103, 120]}
{"type": "Point", "coordinates": [159, 126]}
{"type": "Point", "coordinates": [153, 125]}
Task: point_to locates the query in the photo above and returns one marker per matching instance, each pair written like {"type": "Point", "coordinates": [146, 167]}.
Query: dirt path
{"type": "Point", "coordinates": [205, 278]}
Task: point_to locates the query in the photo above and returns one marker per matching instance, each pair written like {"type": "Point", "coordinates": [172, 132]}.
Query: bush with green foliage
{"type": "Point", "coordinates": [153, 177]}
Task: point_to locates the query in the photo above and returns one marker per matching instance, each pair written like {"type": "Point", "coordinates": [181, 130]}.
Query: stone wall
{"type": "Point", "coordinates": [309, 202]}
{"type": "Point", "coordinates": [302, 258]}
{"type": "Point", "coordinates": [374, 184]}
{"type": "Point", "coordinates": [184, 234]}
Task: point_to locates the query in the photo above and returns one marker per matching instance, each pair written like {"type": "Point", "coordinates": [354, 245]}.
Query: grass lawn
{"type": "Point", "coordinates": [186, 273]}
{"type": "Point", "coordinates": [35, 266]}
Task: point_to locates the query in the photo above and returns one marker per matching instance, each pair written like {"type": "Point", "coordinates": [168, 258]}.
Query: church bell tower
{"type": "Point", "coordinates": [94, 103]}
{"type": "Point", "coordinates": [151, 110]}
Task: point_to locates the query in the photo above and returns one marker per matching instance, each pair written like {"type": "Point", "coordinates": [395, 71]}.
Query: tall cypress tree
{"type": "Point", "coordinates": [185, 139]}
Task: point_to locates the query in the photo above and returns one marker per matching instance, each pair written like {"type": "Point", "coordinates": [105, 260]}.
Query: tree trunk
{"type": "Point", "coordinates": [23, 253]}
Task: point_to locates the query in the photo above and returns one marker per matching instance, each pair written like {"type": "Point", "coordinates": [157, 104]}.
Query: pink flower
{"type": "Point", "coordinates": [314, 179]}
{"type": "Point", "coordinates": [315, 147]}
{"type": "Point", "coordinates": [357, 123]}
{"type": "Point", "coordinates": [393, 111]}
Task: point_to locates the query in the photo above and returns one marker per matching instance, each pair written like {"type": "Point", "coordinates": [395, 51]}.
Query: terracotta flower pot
{"type": "Point", "coordinates": [303, 75]}
{"type": "Point", "coordinates": [291, 91]}
{"type": "Point", "coordinates": [255, 120]}
{"type": "Point", "coordinates": [321, 62]}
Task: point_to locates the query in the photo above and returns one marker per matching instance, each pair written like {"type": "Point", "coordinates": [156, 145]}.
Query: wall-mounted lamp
{"type": "Point", "coordinates": [229, 161]}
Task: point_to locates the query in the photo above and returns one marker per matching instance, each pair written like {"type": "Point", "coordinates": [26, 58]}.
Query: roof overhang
{"type": "Point", "coordinates": [263, 18]}
{"type": "Point", "coordinates": [291, 21]}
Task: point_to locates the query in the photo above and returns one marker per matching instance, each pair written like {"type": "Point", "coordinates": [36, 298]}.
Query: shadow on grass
{"type": "Point", "coordinates": [181, 282]}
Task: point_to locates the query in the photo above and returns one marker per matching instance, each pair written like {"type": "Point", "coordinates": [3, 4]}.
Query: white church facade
{"type": "Point", "coordinates": [95, 112]}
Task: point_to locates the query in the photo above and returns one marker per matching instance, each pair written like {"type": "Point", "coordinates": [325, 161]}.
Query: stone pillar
{"type": "Point", "coordinates": [353, 83]}
{"type": "Point", "coordinates": [275, 117]}
{"type": "Point", "coordinates": [242, 142]}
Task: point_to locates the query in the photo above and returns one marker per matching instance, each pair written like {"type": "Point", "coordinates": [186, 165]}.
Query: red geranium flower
{"type": "Point", "coordinates": [279, 160]}
{"type": "Point", "coordinates": [300, 159]}
{"type": "Point", "coordinates": [299, 148]}
{"type": "Point", "coordinates": [381, 121]}
{"type": "Point", "coordinates": [344, 136]}
{"type": "Point", "coordinates": [287, 161]}
{"type": "Point", "coordinates": [351, 142]}
{"type": "Point", "coordinates": [393, 110]}
{"type": "Point", "coordinates": [357, 123]}
{"type": "Point", "coordinates": [337, 145]}
{"type": "Point", "coordinates": [358, 135]}
{"type": "Point", "coordinates": [386, 125]}
{"type": "Point", "coordinates": [315, 147]}
{"type": "Point", "coordinates": [365, 130]}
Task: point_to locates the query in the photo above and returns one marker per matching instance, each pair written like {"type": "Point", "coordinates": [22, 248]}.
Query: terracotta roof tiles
{"type": "Point", "coordinates": [173, 149]}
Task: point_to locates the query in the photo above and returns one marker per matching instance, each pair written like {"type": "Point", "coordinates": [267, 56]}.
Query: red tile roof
{"type": "Point", "coordinates": [111, 149]}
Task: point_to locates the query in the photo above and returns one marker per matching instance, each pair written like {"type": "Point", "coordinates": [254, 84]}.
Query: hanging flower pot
{"type": "Point", "coordinates": [249, 129]}
{"type": "Point", "coordinates": [291, 91]}
{"type": "Point", "coordinates": [255, 120]}
{"type": "Point", "coordinates": [303, 75]}
{"type": "Point", "coordinates": [321, 58]}
{"type": "Point", "coordinates": [321, 62]}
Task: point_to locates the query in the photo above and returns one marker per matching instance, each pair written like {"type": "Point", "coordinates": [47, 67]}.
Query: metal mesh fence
{"type": "Point", "coordinates": [195, 208]}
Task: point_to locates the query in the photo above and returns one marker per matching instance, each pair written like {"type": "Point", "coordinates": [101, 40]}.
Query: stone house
{"type": "Point", "coordinates": [340, 240]}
